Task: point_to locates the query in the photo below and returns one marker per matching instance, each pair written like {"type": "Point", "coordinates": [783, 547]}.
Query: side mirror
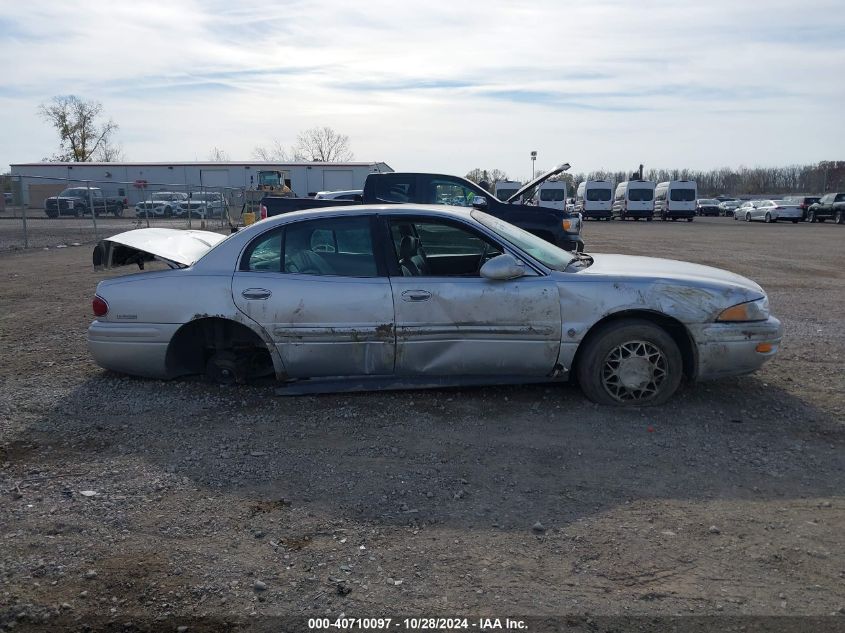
{"type": "Point", "coordinates": [480, 202]}
{"type": "Point", "coordinates": [502, 268]}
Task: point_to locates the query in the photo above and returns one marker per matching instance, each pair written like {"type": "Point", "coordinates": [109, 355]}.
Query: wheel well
{"type": "Point", "coordinates": [673, 327]}
{"type": "Point", "coordinates": [195, 342]}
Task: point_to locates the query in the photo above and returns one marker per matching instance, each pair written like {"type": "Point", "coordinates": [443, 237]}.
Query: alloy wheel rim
{"type": "Point", "coordinates": [634, 371]}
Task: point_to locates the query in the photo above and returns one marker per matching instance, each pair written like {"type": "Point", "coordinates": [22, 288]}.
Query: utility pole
{"type": "Point", "coordinates": [533, 159]}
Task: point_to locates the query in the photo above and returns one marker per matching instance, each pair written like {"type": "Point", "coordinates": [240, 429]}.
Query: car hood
{"type": "Point", "coordinates": [177, 248]}
{"type": "Point", "coordinates": [657, 269]}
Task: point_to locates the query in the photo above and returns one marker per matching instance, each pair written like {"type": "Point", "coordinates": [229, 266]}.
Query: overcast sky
{"type": "Point", "coordinates": [439, 85]}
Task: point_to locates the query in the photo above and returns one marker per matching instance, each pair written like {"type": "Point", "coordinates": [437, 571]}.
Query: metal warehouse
{"type": "Point", "coordinates": [133, 181]}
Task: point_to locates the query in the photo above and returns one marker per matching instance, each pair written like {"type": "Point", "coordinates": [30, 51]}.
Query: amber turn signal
{"type": "Point", "coordinates": [764, 348]}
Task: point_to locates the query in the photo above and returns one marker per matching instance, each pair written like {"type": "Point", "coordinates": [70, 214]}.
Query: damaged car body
{"type": "Point", "coordinates": [401, 296]}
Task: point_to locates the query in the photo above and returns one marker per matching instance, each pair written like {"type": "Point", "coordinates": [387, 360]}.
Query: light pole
{"type": "Point", "coordinates": [533, 158]}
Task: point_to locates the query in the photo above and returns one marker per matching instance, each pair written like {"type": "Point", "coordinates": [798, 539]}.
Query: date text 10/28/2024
{"type": "Point", "coordinates": [417, 624]}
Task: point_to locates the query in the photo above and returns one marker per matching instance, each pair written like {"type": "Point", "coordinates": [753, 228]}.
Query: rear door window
{"type": "Point", "coordinates": [396, 188]}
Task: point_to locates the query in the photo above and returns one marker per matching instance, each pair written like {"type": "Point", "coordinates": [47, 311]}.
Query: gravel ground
{"type": "Point", "coordinates": [153, 504]}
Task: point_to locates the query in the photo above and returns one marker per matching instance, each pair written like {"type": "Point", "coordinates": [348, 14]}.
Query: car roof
{"type": "Point", "coordinates": [441, 210]}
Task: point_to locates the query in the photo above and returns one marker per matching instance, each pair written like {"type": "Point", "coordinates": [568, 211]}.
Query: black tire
{"type": "Point", "coordinates": [118, 212]}
{"type": "Point", "coordinates": [648, 219]}
{"type": "Point", "coordinates": [647, 357]}
{"type": "Point", "coordinates": [77, 211]}
{"type": "Point", "coordinates": [822, 220]}
{"type": "Point", "coordinates": [768, 218]}
{"type": "Point", "coordinates": [795, 221]}
{"type": "Point", "coordinates": [690, 219]}
{"type": "Point", "coordinates": [839, 217]}
{"type": "Point", "coordinates": [748, 217]}
{"type": "Point", "coordinates": [168, 212]}
{"type": "Point", "coordinates": [811, 216]}
{"type": "Point", "coordinates": [674, 219]}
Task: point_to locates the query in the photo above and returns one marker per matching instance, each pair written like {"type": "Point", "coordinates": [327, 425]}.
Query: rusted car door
{"type": "Point", "coordinates": [452, 321]}
{"type": "Point", "coordinates": [319, 290]}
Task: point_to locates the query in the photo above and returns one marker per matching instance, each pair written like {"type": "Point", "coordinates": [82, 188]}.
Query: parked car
{"type": "Point", "coordinates": [355, 195]}
{"type": "Point", "coordinates": [830, 206]}
{"type": "Point", "coordinates": [707, 206]}
{"type": "Point", "coordinates": [410, 294]}
{"type": "Point", "coordinates": [804, 203]}
{"type": "Point", "coordinates": [594, 199]}
{"type": "Point", "coordinates": [743, 211]}
{"type": "Point", "coordinates": [774, 211]}
{"type": "Point", "coordinates": [77, 201]}
{"type": "Point", "coordinates": [728, 206]}
{"type": "Point", "coordinates": [675, 199]}
{"type": "Point", "coordinates": [160, 204]}
{"type": "Point", "coordinates": [201, 205]}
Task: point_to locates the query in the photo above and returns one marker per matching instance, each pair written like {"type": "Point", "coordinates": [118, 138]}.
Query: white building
{"type": "Point", "coordinates": [41, 180]}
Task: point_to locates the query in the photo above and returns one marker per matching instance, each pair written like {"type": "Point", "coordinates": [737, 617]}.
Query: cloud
{"type": "Point", "coordinates": [445, 86]}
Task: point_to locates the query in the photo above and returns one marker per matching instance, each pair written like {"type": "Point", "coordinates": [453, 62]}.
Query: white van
{"type": "Point", "coordinates": [634, 199]}
{"type": "Point", "coordinates": [593, 199]}
{"type": "Point", "coordinates": [504, 189]}
{"type": "Point", "coordinates": [675, 199]}
{"type": "Point", "coordinates": [552, 195]}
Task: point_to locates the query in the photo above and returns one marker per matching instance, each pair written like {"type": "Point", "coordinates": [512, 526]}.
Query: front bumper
{"type": "Point", "coordinates": [730, 349]}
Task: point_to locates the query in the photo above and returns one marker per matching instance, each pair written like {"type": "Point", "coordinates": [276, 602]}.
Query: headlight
{"type": "Point", "coordinates": [572, 225]}
{"type": "Point", "coordinates": [750, 311]}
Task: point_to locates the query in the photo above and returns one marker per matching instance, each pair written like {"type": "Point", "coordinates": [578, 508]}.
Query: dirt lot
{"type": "Point", "coordinates": [218, 508]}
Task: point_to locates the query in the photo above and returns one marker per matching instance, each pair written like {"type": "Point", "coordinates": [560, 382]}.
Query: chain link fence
{"type": "Point", "coordinates": [59, 212]}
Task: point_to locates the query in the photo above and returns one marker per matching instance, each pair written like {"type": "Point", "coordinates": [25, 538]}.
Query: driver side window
{"type": "Point", "coordinates": [433, 248]}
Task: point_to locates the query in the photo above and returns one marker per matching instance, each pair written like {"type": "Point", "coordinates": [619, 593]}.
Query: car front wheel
{"type": "Point", "coordinates": [630, 363]}
{"type": "Point", "coordinates": [839, 218]}
{"type": "Point", "coordinates": [768, 218]}
{"type": "Point", "coordinates": [811, 216]}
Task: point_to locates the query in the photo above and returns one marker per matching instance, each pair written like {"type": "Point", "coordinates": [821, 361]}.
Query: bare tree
{"type": "Point", "coordinates": [81, 132]}
{"type": "Point", "coordinates": [111, 153]}
{"type": "Point", "coordinates": [274, 152]}
{"type": "Point", "coordinates": [218, 155]}
{"type": "Point", "coordinates": [323, 144]}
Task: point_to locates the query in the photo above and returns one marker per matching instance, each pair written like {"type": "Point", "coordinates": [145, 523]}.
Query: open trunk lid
{"type": "Point", "coordinates": [174, 247]}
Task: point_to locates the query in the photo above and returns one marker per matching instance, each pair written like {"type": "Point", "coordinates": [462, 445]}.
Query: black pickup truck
{"type": "Point", "coordinates": [554, 225]}
{"type": "Point", "coordinates": [830, 206]}
{"type": "Point", "coordinates": [76, 202]}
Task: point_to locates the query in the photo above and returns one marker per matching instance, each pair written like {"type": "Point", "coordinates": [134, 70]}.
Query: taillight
{"type": "Point", "coordinates": [101, 308]}
{"type": "Point", "coordinates": [263, 212]}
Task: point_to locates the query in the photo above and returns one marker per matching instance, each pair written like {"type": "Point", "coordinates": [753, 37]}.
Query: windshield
{"type": "Point", "coordinates": [73, 193]}
{"type": "Point", "coordinates": [708, 201]}
{"type": "Point", "coordinates": [599, 195]}
{"type": "Point", "coordinates": [541, 250]}
{"type": "Point", "coordinates": [504, 194]}
{"type": "Point", "coordinates": [165, 195]}
{"type": "Point", "coordinates": [552, 195]}
{"type": "Point", "coordinates": [682, 195]}
{"type": "Point", "coordinates": [640, 195]}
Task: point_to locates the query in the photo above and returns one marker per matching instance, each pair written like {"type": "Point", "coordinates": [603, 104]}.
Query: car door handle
{"type": "Point", "coordinates": [256, 293]}
{"type": "Point", "coordinates": [416, 295]}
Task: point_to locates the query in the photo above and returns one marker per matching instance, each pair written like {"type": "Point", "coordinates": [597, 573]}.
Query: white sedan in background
{"type": "Point", "coordinates": [773, 211]}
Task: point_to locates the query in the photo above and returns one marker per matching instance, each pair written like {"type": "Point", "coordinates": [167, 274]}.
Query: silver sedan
{"type": "Point", "coordinates": [375, 297]}
{"type": "Point", "coordinates": [773, 211]}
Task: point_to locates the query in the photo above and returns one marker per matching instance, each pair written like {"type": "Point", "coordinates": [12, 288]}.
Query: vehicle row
{"type": "Point", "coordinates": [636, 200]}
{"type": "Point", "coordinates": [831, 206]}
{"type": "Point", "coordinates": [166, 204]}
